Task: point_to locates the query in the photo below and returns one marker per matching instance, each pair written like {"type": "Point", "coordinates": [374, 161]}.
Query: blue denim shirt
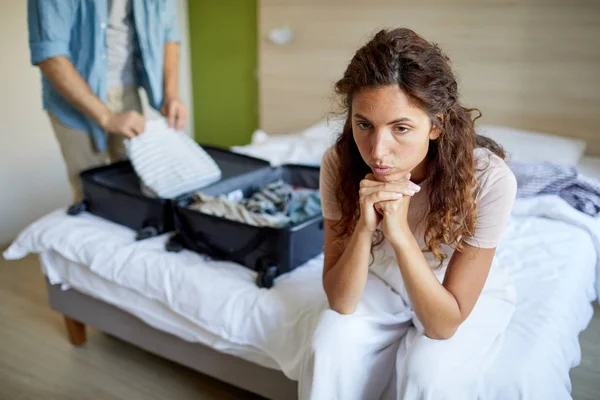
{"type": "Point", "coordinates": [77, 29]}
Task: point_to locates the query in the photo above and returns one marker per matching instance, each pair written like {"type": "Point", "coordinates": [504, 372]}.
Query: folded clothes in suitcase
{"type": "Point", "coordinates": [114, 192]}
{"type": "Point", "coordinates": [271, 251]}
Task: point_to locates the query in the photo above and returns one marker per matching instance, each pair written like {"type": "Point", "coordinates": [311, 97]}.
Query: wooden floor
{"type": "Point", "coordinates": [37, 361]}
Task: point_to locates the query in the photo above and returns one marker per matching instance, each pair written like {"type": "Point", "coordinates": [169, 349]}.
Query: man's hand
{"type": "Point", "coordinates": [128, 124]}
{"type": "Point", "coordinates": [176, 113]}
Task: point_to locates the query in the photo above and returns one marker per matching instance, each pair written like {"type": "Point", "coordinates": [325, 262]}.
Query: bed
{"type": "Point", "coordinates": [210, 315]}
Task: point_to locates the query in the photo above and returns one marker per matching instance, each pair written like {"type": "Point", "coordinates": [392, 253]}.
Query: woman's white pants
{"type": "Point", "coordinates": [380, 351]}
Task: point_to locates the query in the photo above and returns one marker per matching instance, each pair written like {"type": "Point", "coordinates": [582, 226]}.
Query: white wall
{"type": "Point", "coordinates": [33, 178]}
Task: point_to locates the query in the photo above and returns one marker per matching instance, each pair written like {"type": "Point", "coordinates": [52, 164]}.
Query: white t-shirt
{"type": "Point", "coordinates": [121, 45]}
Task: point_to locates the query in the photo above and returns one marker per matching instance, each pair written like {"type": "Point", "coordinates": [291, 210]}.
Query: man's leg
{"type": "Point", "coordinates": [78, 151]}
{"type": "Point", "coordinates": [121, 100]}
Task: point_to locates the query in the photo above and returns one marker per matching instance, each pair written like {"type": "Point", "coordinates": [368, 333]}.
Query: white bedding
{"type": "Point", "coordinates": [68, 273]}
{"type": "Point", "coordinates": [590, 167]}
{"type": "Point", "coordinates": [550, 249]}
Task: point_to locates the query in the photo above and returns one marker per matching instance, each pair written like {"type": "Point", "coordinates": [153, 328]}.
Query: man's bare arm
{"type": "Point", "coordinates": [70, 84]}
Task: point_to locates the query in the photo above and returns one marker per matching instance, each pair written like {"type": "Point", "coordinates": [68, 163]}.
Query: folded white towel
{"type": "Point", "coordinates": [169, 162]}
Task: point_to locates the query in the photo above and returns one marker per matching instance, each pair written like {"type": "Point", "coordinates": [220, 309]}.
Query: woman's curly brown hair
{"type": "Point", "coordinates": [422, 71]}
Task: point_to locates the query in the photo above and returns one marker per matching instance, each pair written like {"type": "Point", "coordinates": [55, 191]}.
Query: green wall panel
{"type": "Point", "coordinates": [223, 51]}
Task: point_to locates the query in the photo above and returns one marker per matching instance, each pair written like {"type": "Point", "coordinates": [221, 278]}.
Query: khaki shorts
{"type": "Point", "coordinates": [77, 147]}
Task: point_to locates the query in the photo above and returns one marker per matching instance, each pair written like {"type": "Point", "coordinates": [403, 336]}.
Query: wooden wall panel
{"type": "Point", "coordinates": [531, 64]}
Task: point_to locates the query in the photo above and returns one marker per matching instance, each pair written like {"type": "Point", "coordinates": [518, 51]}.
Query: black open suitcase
{"type": "Point", "coordinates": [114, 192]}
{"type": "Point", "coordinates": [269, 251]}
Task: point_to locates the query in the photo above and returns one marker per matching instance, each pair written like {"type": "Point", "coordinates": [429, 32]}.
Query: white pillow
{"type": "Point", "coordinates": [590, 167]}
{"type": "Point", "coordinates": [305, 147]}
{"type": "Point", "coordinates": [528, 146]}
{"type": "Point", "coordinates": [327, 130]}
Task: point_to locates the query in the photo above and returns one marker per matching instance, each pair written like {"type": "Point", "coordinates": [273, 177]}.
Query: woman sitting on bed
{"type": "Point", "coordinates": [415, 203]}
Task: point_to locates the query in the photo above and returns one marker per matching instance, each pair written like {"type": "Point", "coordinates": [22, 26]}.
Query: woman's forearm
{"type": "Point", "coordinates": [345, 282]}
{"type": "Point", "coordinates": [434, 305]}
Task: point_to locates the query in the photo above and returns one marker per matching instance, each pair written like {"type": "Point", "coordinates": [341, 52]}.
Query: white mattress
{"type": "Point", "coordinates": [550, 249]}
{"type": "Point", "coordinates": [155, 313]}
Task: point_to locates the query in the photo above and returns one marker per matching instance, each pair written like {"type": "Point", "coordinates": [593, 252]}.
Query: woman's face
{"type": "Point", "coordinates": [392, 135]}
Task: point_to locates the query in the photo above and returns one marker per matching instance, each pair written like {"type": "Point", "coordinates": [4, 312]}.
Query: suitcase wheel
{"type": "Point", "coordinates": [174, 245]}
{"type": "Point", "coordinates": [77, 208]}
{"type": "Point", "coordinates": [146, 233]}
{"type": "Point", "coordinates": [266, 275]}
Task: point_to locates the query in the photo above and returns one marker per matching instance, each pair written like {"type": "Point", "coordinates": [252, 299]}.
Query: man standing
{"type": "Point", "coordinates": [94, 55]}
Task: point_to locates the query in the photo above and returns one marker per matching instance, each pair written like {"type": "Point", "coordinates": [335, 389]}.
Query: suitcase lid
{"type": "Point", "coordinates": [234, 164]}
{"type": "Point", "coordinates": [121, 176]}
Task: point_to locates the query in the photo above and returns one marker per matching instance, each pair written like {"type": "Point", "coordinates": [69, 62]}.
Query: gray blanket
{"type": "Point", "coordinates": [564, 181]}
